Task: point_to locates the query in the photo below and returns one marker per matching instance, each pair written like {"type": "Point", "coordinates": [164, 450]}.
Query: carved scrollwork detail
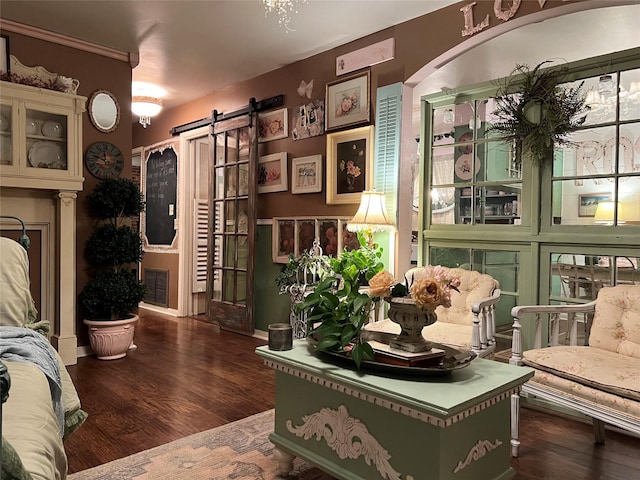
{"type": "Point", "coordinates": [478, 451]}
{"type": "Point", "coordinates": [348, 437]}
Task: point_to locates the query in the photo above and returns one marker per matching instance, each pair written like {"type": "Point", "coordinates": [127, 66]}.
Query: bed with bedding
{"type": "Point", "coordinates": [40, 405]}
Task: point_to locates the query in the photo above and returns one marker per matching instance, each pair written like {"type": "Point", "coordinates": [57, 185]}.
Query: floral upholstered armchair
{"type": "Point", "coordinates": [600, 379]}
{"type": "Point", "coordinates": [468, 323]}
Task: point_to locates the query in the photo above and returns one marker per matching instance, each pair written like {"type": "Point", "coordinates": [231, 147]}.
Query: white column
{"type": "Point", "coordinates": [64, 338]}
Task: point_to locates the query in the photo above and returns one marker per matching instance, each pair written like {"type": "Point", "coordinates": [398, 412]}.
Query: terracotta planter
{"type": "Point", "coordinates": [110, 339]}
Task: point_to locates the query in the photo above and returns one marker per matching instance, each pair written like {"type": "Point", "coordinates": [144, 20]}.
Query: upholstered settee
{"type": "Point", "coordinates": [600, 379]}
{"type": "Point", "coordinates": [469, 324]}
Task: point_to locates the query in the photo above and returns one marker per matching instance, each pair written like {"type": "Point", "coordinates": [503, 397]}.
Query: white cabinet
{"type": "Point", "coordinates": [40, 138]}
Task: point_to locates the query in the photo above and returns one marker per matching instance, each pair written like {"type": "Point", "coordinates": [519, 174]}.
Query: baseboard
{"type": "Point", "coordinates": [155, 308]}
{"type": "Point", "coordinates": [84, 351]}
{"type": "Point", "coordinates": [261, 334]}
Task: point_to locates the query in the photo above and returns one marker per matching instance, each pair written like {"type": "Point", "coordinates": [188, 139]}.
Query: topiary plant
{"type": "Point", "coordinates": [113, 248]}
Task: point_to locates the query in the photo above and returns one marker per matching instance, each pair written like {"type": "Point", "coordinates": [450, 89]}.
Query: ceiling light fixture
{"type": "Point", "coordinates": [285, 9]}
{"type": "Point", "coordinates": [145, 108]}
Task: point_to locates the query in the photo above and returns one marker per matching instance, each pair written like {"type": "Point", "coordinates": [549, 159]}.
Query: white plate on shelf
{"type": "Point", "coordinates": [47, 155]}
{"type": "Point", "coordinates": [52, 129]}
{"type": "Point", "coordinates": [32, 127]}
{"type": "Point", "coordinates": [5, 124]}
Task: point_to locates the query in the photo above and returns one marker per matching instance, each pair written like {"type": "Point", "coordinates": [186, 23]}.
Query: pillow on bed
{"type": "Point", "coordinates": [12, 467]}
{"type": "Point", "coordinates": [17, 307]}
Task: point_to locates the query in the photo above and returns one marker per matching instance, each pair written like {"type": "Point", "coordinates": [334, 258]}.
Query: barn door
{"type": "Point", "coordinates": [232, 221]}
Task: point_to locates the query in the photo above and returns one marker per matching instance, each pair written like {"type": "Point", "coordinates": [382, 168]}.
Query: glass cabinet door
{"type": "Point", "coordinates": [46, 140]}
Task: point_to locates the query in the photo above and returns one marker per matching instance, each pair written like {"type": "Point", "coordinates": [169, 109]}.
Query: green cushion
{"type": "Point", "coordinates": [12, 468]}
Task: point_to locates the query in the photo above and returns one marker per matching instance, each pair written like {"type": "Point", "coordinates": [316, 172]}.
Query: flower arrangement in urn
{"type": "Point", "coordinates": [413, 303]}
{"type": "Point", "coordinates": [431, 290]}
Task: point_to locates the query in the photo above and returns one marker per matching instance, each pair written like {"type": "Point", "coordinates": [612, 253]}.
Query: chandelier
{"type": "Point", "coordinates": [285, 9]}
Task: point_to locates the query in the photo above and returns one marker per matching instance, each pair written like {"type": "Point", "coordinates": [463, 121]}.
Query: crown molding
{"type": "Point", "coordinates": [132, 58]}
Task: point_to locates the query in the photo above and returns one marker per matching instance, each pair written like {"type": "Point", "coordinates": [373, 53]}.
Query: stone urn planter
{"type": "Point", "coordinates": [412, 319]}
{"type": "Point", "coordinates": [110, 339]}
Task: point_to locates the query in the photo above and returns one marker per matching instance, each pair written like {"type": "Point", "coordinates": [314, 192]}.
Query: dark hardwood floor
{"type": "Point", "coordinates": [187, 376]}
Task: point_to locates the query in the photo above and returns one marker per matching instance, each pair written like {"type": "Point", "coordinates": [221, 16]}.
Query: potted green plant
{"type": "Point", "coordinates": [339, 306]}
{"type": "Point", "coordinates": [535, 112]}
{"type": "Point", "coordinates": [113, 295]}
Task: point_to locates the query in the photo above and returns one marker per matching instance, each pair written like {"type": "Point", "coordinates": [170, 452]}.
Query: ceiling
{"type": "Point", "coordinates": [217, 43]}
{"type": "Point", "coordinates": [214, 43]}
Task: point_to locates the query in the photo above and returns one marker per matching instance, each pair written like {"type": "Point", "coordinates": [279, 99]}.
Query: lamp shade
{"type": "Point", "coordinates": [604, 213]}
{"type": "Point", "coordinates": [371, 215]}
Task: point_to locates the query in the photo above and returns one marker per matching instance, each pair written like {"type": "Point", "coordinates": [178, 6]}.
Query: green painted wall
{"type": "Point", "coordinates": [270, 307]}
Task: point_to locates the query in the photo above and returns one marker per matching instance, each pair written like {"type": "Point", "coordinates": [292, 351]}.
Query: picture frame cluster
{"type": "Point", "coordinates": [349, 149]}
{"type": "Point", "coordinates": [295, 235]}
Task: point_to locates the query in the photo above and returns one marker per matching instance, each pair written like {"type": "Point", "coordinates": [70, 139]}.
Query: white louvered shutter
{"type": "Point", "coordinates": [200, 246]}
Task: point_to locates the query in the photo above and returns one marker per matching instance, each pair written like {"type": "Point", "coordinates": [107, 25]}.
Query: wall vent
{"type": "Point", "coordinates": [157, 282]}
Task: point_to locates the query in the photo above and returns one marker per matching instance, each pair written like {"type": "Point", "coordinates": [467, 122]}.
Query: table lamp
{"type": "Point", "coordinates": [604, 213]}
{"type": "Point", "coordinates": [371, 216]}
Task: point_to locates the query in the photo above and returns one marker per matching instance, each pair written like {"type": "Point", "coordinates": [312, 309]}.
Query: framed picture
{"type": "Point", "coordinates": [306, 230]}
{"type": "Point", "coordinates": [347, 102]}
{"type": "Point", "coordinates": [284, 244]}
{"type": "Point", "coordinates": [273, 125]}
{"type": "Point", "coordinates": [588, 203]}
{"type": "Point", "coordinates": [5, 64]}
{"type": "Point", "coordinates": [350, 240]}
{"type": "Point", "coordinates": [308, 120]}
{"type": "Point", "coordinates": [349, 164]}
{"type": "Point", "coordinates": [272, 173]}
{"type": "Point", "coordinates": [306, 174]}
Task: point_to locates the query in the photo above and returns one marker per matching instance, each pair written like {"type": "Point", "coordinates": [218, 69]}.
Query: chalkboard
{"type": "Point", "coordinates": [161, 196]}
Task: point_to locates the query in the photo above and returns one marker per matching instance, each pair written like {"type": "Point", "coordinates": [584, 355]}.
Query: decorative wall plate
{"type": "Point", "coordinates": [47, 155]}
{"type": "Point", "coordinates": [464, 167]}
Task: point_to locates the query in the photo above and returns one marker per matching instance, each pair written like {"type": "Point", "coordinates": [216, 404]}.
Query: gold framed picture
{"type": "Point", "coordinates": [347, 102]}
{"type": "Point", "coordinates": [349, 164]}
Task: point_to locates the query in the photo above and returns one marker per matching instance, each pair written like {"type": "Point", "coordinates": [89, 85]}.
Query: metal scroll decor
{"type": "Point", "coordinates": [348, 437]}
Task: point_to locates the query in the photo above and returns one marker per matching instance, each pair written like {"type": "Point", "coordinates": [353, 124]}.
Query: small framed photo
{"type": "Point", "coordinates": [306, 230]}
{"type": "Point", "coordinates": [588, 203]}
{"type": "Point", "coordinates": [272, 173]}
{"type": "Point", "coordinates": [329, 236]}
{"type": "Point", "coordinates": [350, 240]}
{"type": "Point", "coordinates": [349, 164]}
{"type": "Point", "coordinates": [284, 240]}
{"type": "Point", "coordinates": [273, 125]}
{"type": "Point", "coordinates": [5, 64]}
{"type": "Point", "coordinates": [347, 102]}
{"type": "Point", "coordinates": [306, 174]}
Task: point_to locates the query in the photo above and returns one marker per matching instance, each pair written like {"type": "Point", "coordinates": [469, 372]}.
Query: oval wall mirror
{"type": "Point", "coordinates": [104, 111]}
